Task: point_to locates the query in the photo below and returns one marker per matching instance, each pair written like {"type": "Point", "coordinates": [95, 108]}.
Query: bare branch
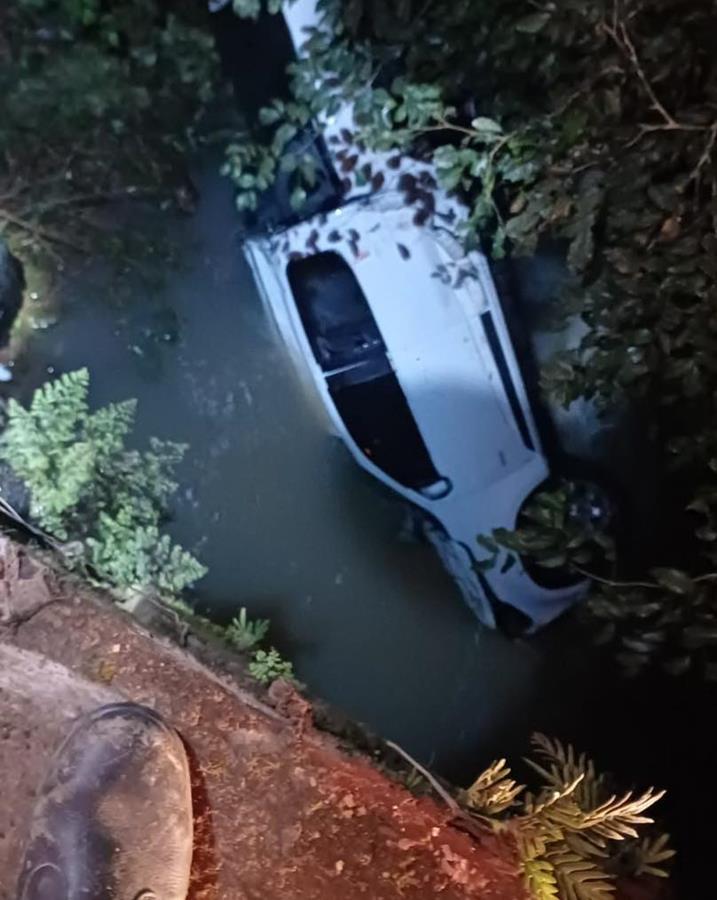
{"type": "Point", "coordinates": [621, 36]}
{"type": "Point", "coordinates": [706, 156]}
{"type": "Point", "coordinates": [438, 788]}
{"type": "Point", "coordinates": [43, 234]}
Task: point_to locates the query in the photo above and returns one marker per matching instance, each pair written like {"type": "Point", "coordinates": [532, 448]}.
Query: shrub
{"type": "Point", "coordinates": [575, 832]}
{"type": "Point", "coordinates": [244, 633]}
{"type": "Point", "coordinates": [573, 835]}
{"type": "Point", "coordinates": [86, 485]}
{"type": "Point", "coordinates": [107, 95]}
{"type": "Point", "coordinates": [268, 665]}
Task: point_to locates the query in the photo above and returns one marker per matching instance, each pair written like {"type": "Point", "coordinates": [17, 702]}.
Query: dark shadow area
{"type": "Point", "coordinates": [12, 284]}
{"type": "Point", "coordinates": [254, 55]}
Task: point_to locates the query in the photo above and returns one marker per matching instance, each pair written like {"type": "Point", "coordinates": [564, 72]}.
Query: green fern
{"type": "Point", "coordinates": [268, 665]}
{"type": "Point", "coordinates": [579, 878]}
{"type": "Point", "coordinates": [540, 879]}
{"type": "Point", "coordinates": [617, 818]}
{"type": "Point", "coordinates": [45, 447]}
{"type": "Point", "coordinates": [86, 486]}
{"type": "Point", "coordinates": [130, 554]}
{"type": "Point", "coordinates": [244, 633]}
{"type": "Point", "coordinates": [565, 766]}
{"type": "Point", "coordinates": [571, 831]}
{"type": "Point", "coordinates": [650, 854]}
{"type": "Point", "coordinates": [493, 792]}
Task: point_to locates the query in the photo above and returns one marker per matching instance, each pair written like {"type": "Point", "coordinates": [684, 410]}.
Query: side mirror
{"type": "Point", "coordinates": [438, 490]}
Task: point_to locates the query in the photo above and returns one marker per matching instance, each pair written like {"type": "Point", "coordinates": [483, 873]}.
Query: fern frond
{"type": "Point", "coordinates": [589, 845]}
{"type": "Point", "coordinates": [533, 838]}
{"type": "Point", "coordinates": [564, 766]}
{"type": "Point", "coordinates": [540, 879]}
{"type": "Point", "coordinates": [565, 834]}
{"type": "Point", "coordinates": [579, 878]}
{"type": "Point", "coordinates": [650, 853]}
{"type": "Point", "coordinates": [616, 818]}
{"type": "Point", "coordinates": [62, 404]}
{"type": "Point", "coordinates": [494, 791]}
{"type": "Point", "coordinates": [537, 805]}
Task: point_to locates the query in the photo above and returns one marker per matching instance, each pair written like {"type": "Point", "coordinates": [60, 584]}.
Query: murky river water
{"type": "Point", "coordinates": [288, 525]}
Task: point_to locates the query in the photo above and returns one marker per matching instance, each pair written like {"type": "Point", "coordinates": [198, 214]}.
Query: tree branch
{"type": "Point", "coordinates": [43, 234]}
{"type": "Point", "coordinates": [705, 157]}
{"type": "Point", "coordinates": [438, 788]}
{"type": "Point", "coordinates": [621, 36]}
{"type": "Point", "coordinates": [647, 585]}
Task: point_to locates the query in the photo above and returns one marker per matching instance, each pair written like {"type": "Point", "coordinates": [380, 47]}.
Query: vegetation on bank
{"type": "Point", "coordinates": [103, 505]}
{"type": "Point", "coordinates": [269, 665]}
{"type": "Point", "coordinates": [244, 635]}
{"type": "Point", "coordinates": [575, 834]}
{"type": "Point", "coordinates": [100, 102]}
{"type": "Point", "coordinates": [135, 76]}
{"type": "Point", "coordinates": [592, 127]}
{"type": "Point", "coordinates": [90, 491]}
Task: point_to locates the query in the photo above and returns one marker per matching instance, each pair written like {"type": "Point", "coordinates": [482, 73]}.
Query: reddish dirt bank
{"type": "Point", "coordinates": [281, 810]}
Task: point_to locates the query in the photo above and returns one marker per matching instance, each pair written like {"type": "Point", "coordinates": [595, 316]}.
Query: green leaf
{"type": "Point", "coordinates": [487, 126]}
{"type": "Point", "coordinates": [553, 562]}
{"type": "Point", "coordinates": [674, 580]}
{"type": "Point", "coordinates": [247, 9]}
{"type": "Point", "coordinates": [283, 135]}
{"type": "Point", "coordinates": [270, 115]}
{"type": "Point", "coordinates": [86, 486]}
{"type": "Point", "coordinates": [533, 23]}
{"type": "Point", "coordinates": [298, 197]}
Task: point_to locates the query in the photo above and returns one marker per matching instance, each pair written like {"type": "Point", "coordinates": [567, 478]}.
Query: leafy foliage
{"type": "Point", "coordinates": [589, 125]}
{"type": "Point", "coordinates": [568, 834]}
{"type": "Point", "coordinates": [650, 854]}
{"type": "Point", "coordinates": [250, 9]}
{"type": "Point", "coordinates": [556, 531]}
{"type": "Point", "coordinates": [268, 665]}
{"type": "Point", "coordinates": [86, 485]}
{"type": "Point", "coordinates": [242, 634]}
{"type": "Point", "coordinates": [132, 79]}
{"type": "Point", "coordinates": [245, 633]}
{"type": "Point", "coordinates": [493, 791]}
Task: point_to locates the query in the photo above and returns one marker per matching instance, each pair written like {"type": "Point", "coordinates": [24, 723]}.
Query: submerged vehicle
{"type": "Point", "coordinates": [401, 335]}
{"type": "Point", "coordinates": [419, 379]}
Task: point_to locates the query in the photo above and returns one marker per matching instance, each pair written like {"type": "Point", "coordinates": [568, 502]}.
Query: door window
{"type": "Point", "coordinates": [379, 419]}
{"type": "Point", "coordinates": [347, 343]}
{"type": "Point", "coordinates": [336, 317]}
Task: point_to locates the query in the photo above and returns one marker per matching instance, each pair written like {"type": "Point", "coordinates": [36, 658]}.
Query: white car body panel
{"type": "Point", "coordinates": [438, 349]}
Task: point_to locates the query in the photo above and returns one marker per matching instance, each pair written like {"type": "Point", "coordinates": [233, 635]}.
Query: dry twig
{"type": "Point", "coordinates": [619, 33]}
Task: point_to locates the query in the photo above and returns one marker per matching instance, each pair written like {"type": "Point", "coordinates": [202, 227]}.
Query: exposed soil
{"type": "Point", "coordinates": [281, 810]}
